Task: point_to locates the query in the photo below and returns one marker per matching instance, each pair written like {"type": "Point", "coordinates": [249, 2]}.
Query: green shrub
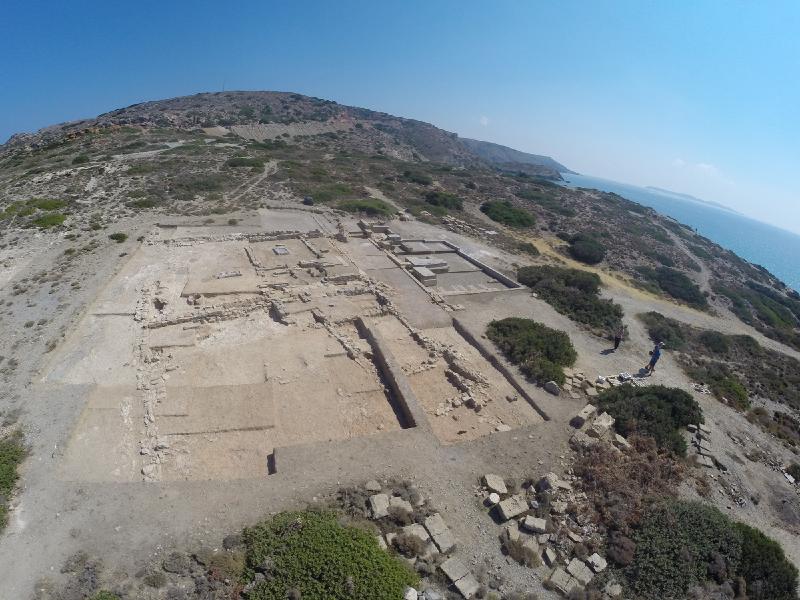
{"type": "Point", "coordinates": [681, 544]}
{"type": "Point", "coordinates": [586, 249]}
{"type": "Point", "coordinates": [140, 169]}
{"type": "Point", "coordinates": [504, 212]}
{"type": "Point", "coordinates": [49, 220]}
{"type": "Point", "coordinates": [547, 201]}
{"type": "Point", "coordinates": [118, 237]}
{"type": "Point", "coordinates": [329, 192]}
{"type": "Point", "coordinates": [662, 329]}
{"type": "Point", "coordinates": [371, 206]}
{"type": "Point", "coordinates": [143, 203]}
{"type": "Point", "coordinates": [443, 199]}
{"type": "Point", "coordinates": [573, 293]}
{"type": "Point", "coordinates": [541, 352]}
{"type": "Point", "coordinates": [417, 177]}
{"type": "Point", "coordinates": [714, 341]}
{"type": "Point", "coordinates": [656, 411]}
{"type": "Point", "coordinates": [676, 546]}
{"type": "Point", "coordinates": [765, 568]}
{"type": "Point", "coordinates": [12, 453]}
{"type": "Point", "coordinates": [528, 248]}
{"type": "Point", "coordinates": [186, 187]}
{"type": "Point", "coordinates": [244, 161]}
{"type": "Point", "coordinates": [46, 203]}
{"type": "Point", "coordinates": [104, 595]}
{"type": "Point", "coordinates": [80, 159]}
{"type": "Point", "coordinates": [312, 553]}
{"type": "Point", "coordinates": [676, 284]}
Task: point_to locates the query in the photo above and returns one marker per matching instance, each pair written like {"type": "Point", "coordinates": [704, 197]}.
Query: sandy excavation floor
{"type": "Point", "coordinates": [182, 404]}
{"type": "Point", "coordinates": [206, 354]}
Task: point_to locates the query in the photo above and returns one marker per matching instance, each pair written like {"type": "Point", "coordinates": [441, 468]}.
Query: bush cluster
{"type": "Point", "coordinates": [680, 544]}
{"type": "Point", "coordinates": [586, 248]}
{"type": "Point", "coordinates": [369, 206]}
{"type": "Point", "coordinates": [541, 352]}
{"type": "Point", "coordinates": [314, 555]}
{"type": "Point", "coordinates": [506, 213]}
{"type": "Point", "coordinates": [12, 453]}
{"type": "Point", "coordinates": [444, 200]}
{"type": "Point", "coordinates": [547, 201]}
{"type": "Point", "coordinates": [676, 284]}
{"type": "Point", "coordinates": [656, 411]}
{"type": "Point", "coordinates": [573, 293]}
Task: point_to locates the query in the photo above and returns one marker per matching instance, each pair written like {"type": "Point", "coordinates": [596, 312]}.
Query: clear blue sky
{"type": "Point", "coordinates": [697, 97]}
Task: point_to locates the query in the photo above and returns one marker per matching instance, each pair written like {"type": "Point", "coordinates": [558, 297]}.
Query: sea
{"type": "Point", "coordinates": [776, 249]}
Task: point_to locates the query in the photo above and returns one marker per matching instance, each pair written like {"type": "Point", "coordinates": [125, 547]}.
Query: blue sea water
{"type": "Point", "coordinates": [776, 249]}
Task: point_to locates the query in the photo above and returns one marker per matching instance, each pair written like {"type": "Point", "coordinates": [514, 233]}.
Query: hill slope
{"type": "Point", "coordinates": [499, 155]}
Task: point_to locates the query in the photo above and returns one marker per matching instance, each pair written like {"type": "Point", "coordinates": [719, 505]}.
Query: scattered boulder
{"type": "Point", "coordinates": [586, 414]}
{"type": "Point", "coordinates": [597, 563]}
{"type": "Point", "coordinates": [561, 581]}
{"type": "Point", "coordinates": [379, 504]}
{"type": "Point", "coordinates": [578, 569]}
{"type": "Point", "coordinates": [372, 486]}
{"type": "Point", "coordinates": [512, 506]}
{"type": "Point", "coordinates": [552, 387]}
{"type": "Point", "coordinates": [495, 483]}
{"type": "Point", "coordinates": [535, 524]}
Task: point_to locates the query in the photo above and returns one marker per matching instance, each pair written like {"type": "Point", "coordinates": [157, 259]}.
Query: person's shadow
{"type": "Point", "coordinates": [607, 351]}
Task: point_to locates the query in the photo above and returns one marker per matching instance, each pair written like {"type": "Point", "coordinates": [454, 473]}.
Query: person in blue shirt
{"type": "Point", "coordinates": [655, 354]}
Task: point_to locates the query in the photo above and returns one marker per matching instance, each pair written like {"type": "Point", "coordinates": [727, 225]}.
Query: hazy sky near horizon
{"type": "Point", "coordinates": [699, 97]}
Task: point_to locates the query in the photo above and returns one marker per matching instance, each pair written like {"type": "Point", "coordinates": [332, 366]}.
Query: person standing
{"type": "Point", "coordinates": [619, 333]}
{"type": "Point", "coordinates": [655, 354]}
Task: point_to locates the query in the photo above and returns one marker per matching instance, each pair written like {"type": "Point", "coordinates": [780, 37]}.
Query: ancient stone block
{"type": "Point", "coordinates": [578, 569]}
{"type": "Point", "coordinates": [495, 483]}
{"type": "Point", "coordinates": [512, 507]}
{"type": "Point", "coordinates": [379, 503]}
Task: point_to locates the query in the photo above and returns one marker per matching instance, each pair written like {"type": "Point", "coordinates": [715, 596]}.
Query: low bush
{"type": "Point", "coordinates": [417, 177]}
{"type": "Point", "coordinates": [329, 192]}
{"type": "Point", "coordinates": [587, 249]}
{"type": "Point", "coordinates": [81, 159]}
{"type": "Point", "coordinates": [541, 352]}
{"type": "Point", "coordinates": [573, 293]}
{"type": "Point", "coordinates": [621, 485]}
{"type": "Point", "coordinates": [245, 161]}
{"type": "Point", "coordinates": [444, 199]}
{"type": "Point", "coordinates": [46, 203]}
{"type": "Point", "coordinates": [675, 284]}
{"type": "Point", "coordinates": [681, 544]}
{"type": "Point", "coordinates": [370, 206]}
{"type": "Point", "coordinates": [765, 568]}
{"type": "Point", "coordinates": [12, 453]}
{"type": "Point", "coordinates": [104, 595]}
{"type": "Point", "coordinates": [528, 248]}
{"type": "Point", "coordinates": [49, 220]}
{"type": "Point", "coordinates": [656, 411]}
{"type": "Point", "coordinates": [118, 237]}
{"type": "Point", "coordinates": [547, 201]}
{"type": "Point", "coordinates": [186, 187]}
{"type": "Point", "coordinates": [312, 553]}
{"type": "Point", "coordinates": [662, 329]}
{"type": "Point", "coordinates": [506, 213]}
{"type": "Point", "coordinates": [676, 545]}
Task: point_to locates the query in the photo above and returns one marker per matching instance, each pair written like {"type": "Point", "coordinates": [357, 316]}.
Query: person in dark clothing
{"type": "Point", "coordinates": [655, 354]}
{"type": "Point", "coordinates": [619, 333]}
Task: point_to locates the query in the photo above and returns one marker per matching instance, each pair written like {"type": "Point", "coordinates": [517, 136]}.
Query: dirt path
{"type": "Point", "coordinates": [270, 168]}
